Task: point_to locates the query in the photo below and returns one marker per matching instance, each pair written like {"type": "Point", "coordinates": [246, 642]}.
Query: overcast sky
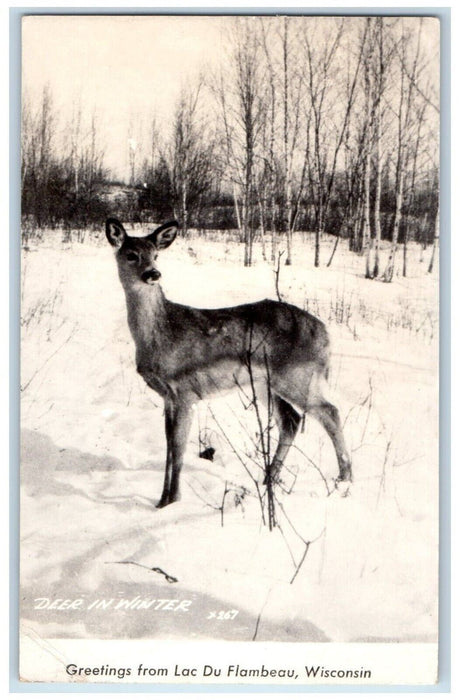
{"type": "Point", "coordinates": [122, 67]}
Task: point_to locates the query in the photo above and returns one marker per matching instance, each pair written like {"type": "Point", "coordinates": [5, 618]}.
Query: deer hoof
{"type": "Point", "coordinates": [343, 488]}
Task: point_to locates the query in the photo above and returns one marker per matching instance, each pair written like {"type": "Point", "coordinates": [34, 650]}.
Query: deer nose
{"type": "Point", "coordinates": [151, 276]}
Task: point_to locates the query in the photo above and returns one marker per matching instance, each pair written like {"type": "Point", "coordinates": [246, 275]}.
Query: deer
{"type": "Point", "coordinates": [186, 354]}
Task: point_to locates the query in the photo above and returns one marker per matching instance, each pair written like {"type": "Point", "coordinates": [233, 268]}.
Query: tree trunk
{"type": "Point", "coordinates": [318, 232]}
{"type": "Point", "coordinates": [287, 192]}
{"type": "Point", "coordinates": [184, 209]}
{"type": "Point", "coordinates": [366, 212]}
{"type": "Point", "coordinates": [262, 225]}
{"type": "Point", "coordinates": [378, 193]}
{"type": "Point", "coordinates": [367, 161]}
{"type": "Point", "coordinates": [273, 226]}
{"type": "Point", "coordinates": [435, 242]}
{"type": "Point", "coordinates": [237, 209]}
{"type": "Point", "coordinates": [404, 270]}
{"type": "Point", "coordinates": [317, 243]}
{"type": "Point", "coordinates": [333, 250]}
{"type": "Point", "coordinates": [389, 271]}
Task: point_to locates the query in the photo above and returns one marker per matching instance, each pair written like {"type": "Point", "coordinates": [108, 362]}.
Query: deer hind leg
{"type": "Point", "coordinates": [288, 421]}
{"type": "Point", "coordinates": [328, 415]}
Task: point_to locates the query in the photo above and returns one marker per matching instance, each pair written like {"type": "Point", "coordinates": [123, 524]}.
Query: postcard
{"type": "Point", "coordinates": [229, 350]}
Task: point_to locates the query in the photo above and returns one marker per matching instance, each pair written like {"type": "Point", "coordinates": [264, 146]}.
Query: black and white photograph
{"type": "Point", "coordinates": [229, 323]}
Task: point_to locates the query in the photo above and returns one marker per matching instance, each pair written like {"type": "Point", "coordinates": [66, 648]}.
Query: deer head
{"type": "Point", "coordinates": [137, 257]}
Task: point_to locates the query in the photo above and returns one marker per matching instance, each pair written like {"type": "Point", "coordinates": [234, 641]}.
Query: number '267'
{"type": "Point", "coordinates": [222, 615]}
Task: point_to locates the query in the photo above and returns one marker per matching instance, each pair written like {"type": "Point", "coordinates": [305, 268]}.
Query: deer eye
{"type": "Point", "coordinates": [132, 257]}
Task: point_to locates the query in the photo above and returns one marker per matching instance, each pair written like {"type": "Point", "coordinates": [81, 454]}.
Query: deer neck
{"type": "Point", "coordinates": [147, 320]}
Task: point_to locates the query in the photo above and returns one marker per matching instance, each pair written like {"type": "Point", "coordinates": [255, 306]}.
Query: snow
{"type": "Point", "coordinates": [360, 568]}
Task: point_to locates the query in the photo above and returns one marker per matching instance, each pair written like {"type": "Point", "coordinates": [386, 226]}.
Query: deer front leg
{"type": "Point", "coordinates": [288, 421]}
{"type": "Point", "coordinates": [164, 500]}
{"type": "Point", "coordinates": [178, 422]}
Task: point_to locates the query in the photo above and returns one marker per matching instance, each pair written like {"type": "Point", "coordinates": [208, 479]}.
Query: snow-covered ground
{"type": "Point", "coordinates": [93, 449]}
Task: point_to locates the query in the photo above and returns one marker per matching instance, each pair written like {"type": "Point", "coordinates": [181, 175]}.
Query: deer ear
{"type": "Point", "coordinates": [115, 232]}
{"type": "Point", "coordinates": [164, 235]}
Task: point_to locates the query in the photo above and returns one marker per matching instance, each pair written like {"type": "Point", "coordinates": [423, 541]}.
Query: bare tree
{"type": "Point", "coordinates": [380, 70]}
{"type": "Point", "coordinates": [241, 106]}
{"type": "Point", "coordinates": [39, 158]}
{"type": "Point", "coordinates": [190, 155]}
{"type": "Point", "coordinates": [377, 64]}
{"type": "Point", "coordinates": [247, 64]}
{"type": "Point", "coordinates": [330, 115]}
{"type": "Point", "coordinates": [283, 151]}
{"type": "Point", "coordinates": [267, 193]}
{"type": "Point", "coordinates": [368, 128]}
{"type": "Point", "coordinates": [407, 79]}
{"type": "Point", "coordinates": [291, 100]}
{"type": "Point", "coordinates": [27, 140]}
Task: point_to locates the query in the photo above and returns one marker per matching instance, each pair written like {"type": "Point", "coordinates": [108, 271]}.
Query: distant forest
{"type": "Point", "coordinates": [328, 125]}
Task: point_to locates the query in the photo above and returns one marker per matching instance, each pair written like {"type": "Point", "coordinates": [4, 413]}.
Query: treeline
{"type": "Point", "coordinates": [321, 124]}
{"type": "Point", "coordinates": [61, 168]}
